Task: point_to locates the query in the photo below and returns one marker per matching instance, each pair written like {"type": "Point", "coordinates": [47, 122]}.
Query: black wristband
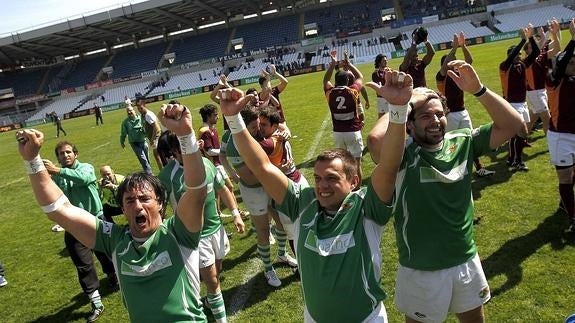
{"type": "Point", "coordinates": [480, 92]}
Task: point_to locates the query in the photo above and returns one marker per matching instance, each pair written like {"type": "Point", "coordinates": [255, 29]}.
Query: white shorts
{"type": "Point", "coordinates": [523, 110]}
{"type": "Point", "coordinates": [458, 120]}
{"type": "Point", "coordinates": [427, 296]}
{"type": "Point", "coordinates": [379, 315]}
{"type": "Point", "coordinates": [222, 172]}
{"type": "Point", "coordinates": [382, 106]}
{"type": "Point", "coordinates": [538, 100]}
{"type": "Point", "coordinates": [212, 247]}
{"type": "Point", "coordinates": [350, 141]}
{"type": "Point", "coordinates": [561, 148]}
{"type": "Point", "coordinates": [255, 199]}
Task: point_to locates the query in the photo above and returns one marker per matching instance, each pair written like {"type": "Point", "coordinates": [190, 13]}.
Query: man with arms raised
{"type": "Point", "coordinates": [156, 261]}
{"type": "Point", "coordinates": [338, 225]}
{"type": "Point", "coordinates": [430, 197]}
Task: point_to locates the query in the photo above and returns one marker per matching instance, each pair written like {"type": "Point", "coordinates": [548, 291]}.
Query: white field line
{"type": "Point", "coordinates": [12, 182]}
{"type": "Point", "coordinates": [100, 146]}
{"type": "Point", "coordinates": [239, 299]}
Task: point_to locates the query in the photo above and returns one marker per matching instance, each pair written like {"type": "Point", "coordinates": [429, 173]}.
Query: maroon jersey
{"type": "Point", "coordinates": [451, 91]}
{"type": "Point", "coordinates": [343, 103]}
{"type": "Point", "coordinates": [211, 141]}
{"type": "Point", "coordinates": [562, 105]}
{"type": "Point", "coordinates": [378, 76]}
{"type": "Point", "coordinates": [275, 92]}
{"type": "Point", "coordinates": [513, 82]}
{"type": "Point", "coordinates": [417, 72]}
{"type": "Point", "coordinates": [536, 72]}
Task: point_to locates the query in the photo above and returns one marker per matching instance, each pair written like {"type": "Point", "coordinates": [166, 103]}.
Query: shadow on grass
{"type": "Point", "coordinates": [78, 310]}
{"type": "Point", "coordinates": [508, 258]}
{"type": "Point", "coordinates": [229, 264]}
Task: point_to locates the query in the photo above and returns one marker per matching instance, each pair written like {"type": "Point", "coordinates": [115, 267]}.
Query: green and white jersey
{"type": "Point", "coordinates": [339, 258]}
{"type": "Point", "coordinates": [236, 161]}
{"type": "Point", "coordinates": [159, 278]}
{"type": "Point", "coordinates": [172, 178]}
{"type": "Point", "coordinates": [433, 204]}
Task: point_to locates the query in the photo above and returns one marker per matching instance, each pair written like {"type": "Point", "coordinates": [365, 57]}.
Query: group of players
{"type": "Point", "coordinates": [422, 178]}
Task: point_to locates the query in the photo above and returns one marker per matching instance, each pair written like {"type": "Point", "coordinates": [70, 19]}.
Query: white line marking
{"type": "Point", "coordinates": [12, 182]}
{"type": "Point", "coordinates": [100, 146]}
{"type": "Point", "coordinates": [311, 152]}
{"type": "Point", "coordinates": [238, 300]}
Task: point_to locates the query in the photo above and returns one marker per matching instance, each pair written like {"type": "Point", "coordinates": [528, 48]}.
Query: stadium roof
{"type": "Point", "coordinates": [125, 24]}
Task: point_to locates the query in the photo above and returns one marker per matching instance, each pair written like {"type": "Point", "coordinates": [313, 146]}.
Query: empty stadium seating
{"type": "Point", "coordinates": [196, 48]}
{"type": "Point", "coordinates": [279, 31]}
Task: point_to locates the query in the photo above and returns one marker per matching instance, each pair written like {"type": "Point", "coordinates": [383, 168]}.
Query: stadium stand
{"type": "Point", "coordinates": [134, 61]}
{"type": "Point", "coordinates": [82, 73]}
{"type": "Point", "coordinates": [24, 82]}
{"type": "Point", "coordinates": [196, 48]}
{"type": "Point", "coordinates": [279, 31]}
{"type": "Point", "coordinates": [538, 17]}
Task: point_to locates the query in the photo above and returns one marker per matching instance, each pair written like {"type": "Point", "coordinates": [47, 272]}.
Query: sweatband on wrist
{"type": "Point", "coordinates": [480, 92]}
{"type": "Point", "coordinates": [188, 144]}
{"type": "Point", "coordinates": [398, 113]}
{"type": "Point", "coordinates": [235, 212]}
{"type": "Point", "coordinates": [236, 123]}
{"type": "Point", "coordinates": [55, 205]}
{"type": "Point", "coordinates": [35, 165]}
{"type": "Point", "coordinates": [204, 183]}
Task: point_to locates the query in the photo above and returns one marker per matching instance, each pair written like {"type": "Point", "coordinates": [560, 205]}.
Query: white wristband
{"type": "Point", "coordinates": [398, 113]}
{"type": "Point", "coordinates": [55, 205]}
{"type": "Point", "coordinates": [204, 183]}
{"type": "Point", "coordinates": [235, 212]}
{"type": "Point", "coordinates": [235, 123]}
{"type": "Point", "coordinates": [188, 144]}
{"type": "Point", "coordinates": [35, 165]}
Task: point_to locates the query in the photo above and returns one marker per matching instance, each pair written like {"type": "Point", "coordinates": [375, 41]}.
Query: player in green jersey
{"type": "Point", "coordinates": [156, 261]}
{"type": "Point", "coordinates": [430, 198]}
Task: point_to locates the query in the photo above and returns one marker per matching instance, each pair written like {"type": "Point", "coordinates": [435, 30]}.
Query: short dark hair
{"type": "Point", "coordinates": [249, 114]}
{"type": "Point", "coordinates": [65, 143]}
{"type": "Point", "coordinates": [342, 78]}
{"type": "Point", "coordinates": [165, 144]}
{"type": "Point", "coordinates": [207, 110]}
{"type": "Point", "coordinates": [174, 102]}
{"type": "Point", "coordinates": [251, 90]}
{"type": "Point", "coordinates": [271, 114]}
{"type": "Point", "coordinates": [439, 96]}
{"type": "Point", "coordinates": [138, 181]}
{"type": "Point", "coordinates": [349, 162]}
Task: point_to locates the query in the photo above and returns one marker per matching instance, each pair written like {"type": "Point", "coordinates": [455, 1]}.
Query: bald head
{"type": "Point", "coordinates": [107, 172]}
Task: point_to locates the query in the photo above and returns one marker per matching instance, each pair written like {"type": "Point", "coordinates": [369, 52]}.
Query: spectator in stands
{"type": "Point", "coordinates": [98, 113]}
{"type": "Point", "coordinates": [78, 181]}
{"type": "Point", "coordinates": [457, 117]}
{"type": "Point", "coordinates": [58, 123]}
{"type": "Point", "coordinates": [159, 259]}
{"type": "Point", "coordinates": [561, 134]}
{"type": "Point", "coordinates": [427, 188]}
{"type": "Point", "coordinates": [513, 81]}
{"type": "Point", "coordinates": [132, 128]}
{"type": "Point", "coordinates": [107, 188]}
{"type": "Point", "coordinates": [415, 66]}
{"type": "Point", "coordinates": [343, 102]}
{"type": "Point", "coordinates": [151, 128]}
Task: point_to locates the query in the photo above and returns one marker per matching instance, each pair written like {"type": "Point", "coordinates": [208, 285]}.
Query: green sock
{"type": "Point", "coordinates": [217, 306]}
{"type": "Point", "coordinates": [264, 253]}
{"type": "Point", "coordinates": [281, 238]}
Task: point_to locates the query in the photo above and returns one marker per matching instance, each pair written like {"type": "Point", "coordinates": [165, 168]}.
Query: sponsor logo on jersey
{"type": "Point", "coordinates": [158, 262]}
{"type": "Point", "coordinates": [329, 246]}
{"type": "Point", "coordinates": [484, 293]}
{"type": "Point", "coordinates": [420, 315]}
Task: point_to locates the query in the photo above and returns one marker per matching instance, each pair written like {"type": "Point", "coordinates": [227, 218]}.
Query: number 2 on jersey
{"type": "Point", "coordinates": [340, 102]}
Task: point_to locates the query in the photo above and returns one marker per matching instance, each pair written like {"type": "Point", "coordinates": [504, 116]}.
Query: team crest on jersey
{"type": "Point", "coordinates": [451, 149]}
{"type": "Point", "coordinates": [106, 228]}
{"type": "Point", "coordinates": [329, 246]}
{"type": "Point", "coordinates": [484, 293]}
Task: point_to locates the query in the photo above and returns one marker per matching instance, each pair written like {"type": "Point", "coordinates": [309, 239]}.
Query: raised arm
{"type": "Point", "coordinates": [506, 120]}
{"type": "Point", "coordinates": [516, 50]}
{"type": "Point", "coordinates": [329, 73]}
{"type": "Point", "coordinates": [79, 222]}
{"type": "Point", "coordinates": [430, 52]}
{"type": "Point", "coordinates": [272, 179]}
{"type": "Point", "coordinates": [563, 61]}
{"type": "Point", "coordinates": [466, 53]}
{"type": "Point", "coordinates": [178, 119]}
{"type": "Point", "coordinates": [358, 76]}
{"type": "Point", "coordinates": [397, 91]}
{"type": "Point", "coordinates": [283, 81]}
{"type": "Point", "coordinates": [409, 56]}
{"type": "Point", "coordinates": [555, 44]}
{"type": "Point", "coordinates": [450, 56]}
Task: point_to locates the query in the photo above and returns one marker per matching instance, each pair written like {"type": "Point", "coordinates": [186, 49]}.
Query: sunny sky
{"type": "Point", "coordinates": [17, 15]}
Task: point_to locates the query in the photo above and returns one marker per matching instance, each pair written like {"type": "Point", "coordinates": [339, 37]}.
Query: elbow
{"type": "Point", "coordinates": [373, 145]}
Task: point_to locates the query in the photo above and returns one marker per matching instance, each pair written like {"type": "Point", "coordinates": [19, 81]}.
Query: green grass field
{"type": "Point", "coordinates": [525, 254]}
